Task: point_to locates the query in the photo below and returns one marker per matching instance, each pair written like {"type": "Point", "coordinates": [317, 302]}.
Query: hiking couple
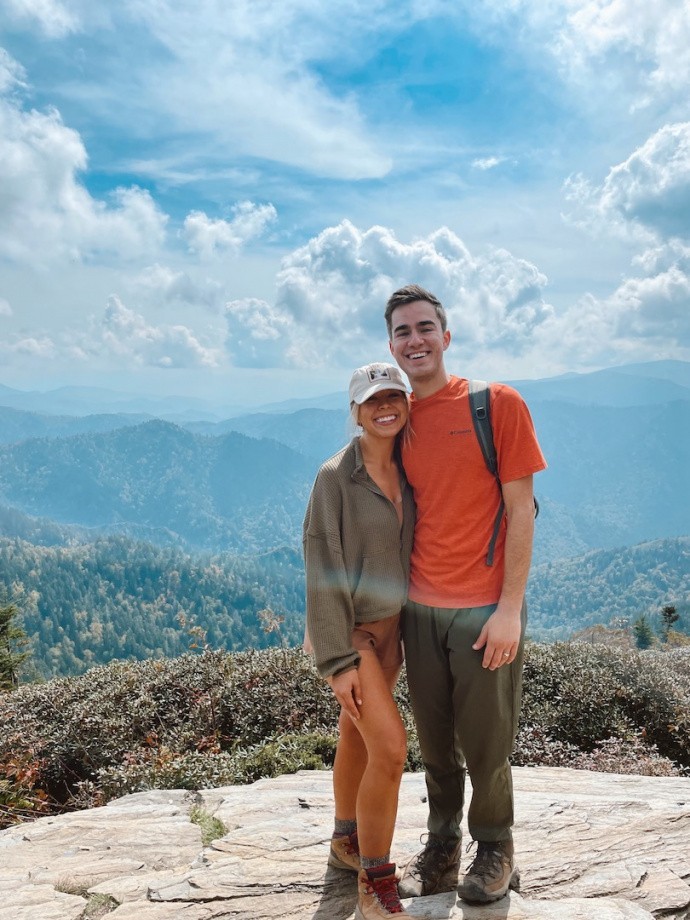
{"type": "Point", "coordinates": [396, 541]}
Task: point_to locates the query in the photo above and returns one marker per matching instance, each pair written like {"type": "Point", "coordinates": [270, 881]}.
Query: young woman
{"type": "Point", "coordinates": [357, 540]}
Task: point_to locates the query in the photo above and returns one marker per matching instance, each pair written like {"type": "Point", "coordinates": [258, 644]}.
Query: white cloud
{"type": "Point", "coordinates": [35, 348]}
{"type": "Point", "coordinates": [644, 319]}
{"type": "Point", "coordinates": [55, 19]}
{"type": "Point", "coordinates": [12, 74]}
{"type": "Point", "coordinates": [5, 308]}
{"type": "Point", "coordinates": [332, 293]}
{"type": "Point", "coordinates": [119, 337]}
{"type": "Point", "coordinates": [47, 213]}
{"type": "Point", "coordinates": [259, 335]}
{"type": "Point", "coordinates": [486, 163]}
{"type": "Point", "coordinates": [647, 317]}
{"type": "Point", "coordinates": [167, 286]}
{"type": "Point", "coordinates": [621, 54]}
{"type": "Point", "coordinates": [652, 186]}
{"type": "Point", "coordinates": [650, 191]}
{"type": "Point", "coordinates": [256, 68]}
{"type": "Point", "coordinates": [124, 334]}
{"type": "Point", "coordinates": [41, 347]}
{"type": "Point", "coordinates": [656, 35]}
{"type": "Point", "coordinates": [209, 237]}
{"type": "Point", "coordinates": [654, 308]}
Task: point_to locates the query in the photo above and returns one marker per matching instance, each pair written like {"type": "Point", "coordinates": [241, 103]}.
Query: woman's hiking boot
{"type": "Point", "coordinates": [432, 871]}
{"type": "Point", "coordinates": [345, 853]}
{"type": "Point", "coordinates": [491, 874]}
{"type": "Point", "coordinates": [377, 895]}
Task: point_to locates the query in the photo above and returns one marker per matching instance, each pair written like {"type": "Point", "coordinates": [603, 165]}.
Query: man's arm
{"type": "Point", "coordinates": [501, 632]}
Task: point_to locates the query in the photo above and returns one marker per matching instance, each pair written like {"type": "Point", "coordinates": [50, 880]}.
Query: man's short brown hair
{"type": "Point", "coordinates": [410, 294]}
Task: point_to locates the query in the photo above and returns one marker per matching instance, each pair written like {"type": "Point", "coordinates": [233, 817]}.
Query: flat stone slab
{"type": "Point", "coordinates": [589, 845]}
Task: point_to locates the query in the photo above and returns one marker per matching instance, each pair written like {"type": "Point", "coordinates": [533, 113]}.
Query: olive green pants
{"type": "Point", "coordinates": [466, 718]}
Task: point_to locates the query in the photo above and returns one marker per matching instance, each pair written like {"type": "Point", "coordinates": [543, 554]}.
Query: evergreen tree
{"type": "Point", "coordinates": [642, 632]}
{"type": "Point", "coordinates": [669, 616]}
{"type": "Point", "coordinates": [12, 640]}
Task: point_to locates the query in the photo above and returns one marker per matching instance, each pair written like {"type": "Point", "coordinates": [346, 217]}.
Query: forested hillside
{"type": "Point", "coordinates": [609, 585]}
{"type": "Point", "coordinates": [116, 598]}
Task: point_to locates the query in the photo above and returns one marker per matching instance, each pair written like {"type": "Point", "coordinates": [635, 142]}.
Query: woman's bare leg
{"type": "Point", "coordinates": [348, 768]}
{"type": "Point", "coordinates": [383, 734]}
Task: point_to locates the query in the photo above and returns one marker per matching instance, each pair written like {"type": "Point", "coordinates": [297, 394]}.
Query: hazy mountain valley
{"type": "Point", "coordinates": [117, 527]}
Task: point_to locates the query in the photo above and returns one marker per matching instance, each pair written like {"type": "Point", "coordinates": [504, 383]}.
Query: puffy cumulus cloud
{"type": "Point", "coordinates": [645, 318]}
{"type": "Point", "coordinates": [165, 286]}
{"type": "Point", "coordinates": [656, 35]}
{"type": "Point", "coordinates": [260, 335]}
{"type": "Point", "coordinates": [127, 336]}
{"type": "Point", "coordinates": [47, 213]}
{"type": "Point", "coordinates": [654, 308]}
{"type": "Point", "coordinates": [55, 19]}
{"type": "Point", "coordinates": [647, 195]}
{"type": "Point", "coordinates": [639, 50]}
{"type": "Point", "coordinates": [33, 347]}
{"type": "Point", "coordinates": [38, 347]}
{"type": "Point", "coordinates": [332, 292]}
{"type": "Point", "coordinates": [672, 253]}
{"type": "Point", "coordinates": [209, 237]}
{"type": "Point", "coordinates": [652, 186]}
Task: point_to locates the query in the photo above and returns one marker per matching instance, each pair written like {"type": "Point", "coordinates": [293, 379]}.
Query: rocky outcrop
{"type": "Point", "coordinates": [589, 845]}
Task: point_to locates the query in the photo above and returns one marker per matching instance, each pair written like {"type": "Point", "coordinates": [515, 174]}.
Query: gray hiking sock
{"type": "Point", "coordinates": [344, 827]}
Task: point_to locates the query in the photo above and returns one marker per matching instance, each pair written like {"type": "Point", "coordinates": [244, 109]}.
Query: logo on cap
{"type": "Point", "coordinates": [379, 373]}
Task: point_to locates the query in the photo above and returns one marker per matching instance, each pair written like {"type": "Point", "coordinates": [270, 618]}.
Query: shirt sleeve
{"type": "Point", "coordinates": [517, 447]}
{"type": "Point", "coordinates": [330, 610]}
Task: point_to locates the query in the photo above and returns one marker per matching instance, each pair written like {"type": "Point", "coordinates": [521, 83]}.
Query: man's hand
{"type": "Point", "coordinates": [500, 637]}
{"type": "Point", "coordinates": [346, 688]}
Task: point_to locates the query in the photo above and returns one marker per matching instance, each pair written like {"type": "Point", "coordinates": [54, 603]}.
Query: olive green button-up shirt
{"type": "Point", "coordinates": [356, 554]}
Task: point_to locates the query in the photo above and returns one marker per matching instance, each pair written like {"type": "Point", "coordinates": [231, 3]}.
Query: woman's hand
{"type": "Point", "coordinates": [346, 688]}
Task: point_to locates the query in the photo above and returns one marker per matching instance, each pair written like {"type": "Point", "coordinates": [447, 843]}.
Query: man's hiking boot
{"type": "Point", "coordinates": [345, 853]}
{"type": "Point", "coordinates": [377, 895]}
{"type": "Point", "coordinates": [432, 871]}
{"type": "Point", "coordinates": [491, 874]}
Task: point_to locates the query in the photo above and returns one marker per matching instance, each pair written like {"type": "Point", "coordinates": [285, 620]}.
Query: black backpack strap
{"type": "Point", "coordinates": [480, 410]}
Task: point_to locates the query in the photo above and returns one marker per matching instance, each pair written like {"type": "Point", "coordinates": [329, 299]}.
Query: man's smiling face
{"type": "Point", "coordinates": [418, 342]}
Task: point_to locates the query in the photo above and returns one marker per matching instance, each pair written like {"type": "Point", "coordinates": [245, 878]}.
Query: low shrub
{"type": "Point", "coordinates": [217, 719]}
{"type": "Point", "coordinates": [583, 696]}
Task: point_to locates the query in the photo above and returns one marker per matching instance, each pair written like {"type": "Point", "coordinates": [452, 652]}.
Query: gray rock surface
{"type": "Point", "coordinates": [589, 845]}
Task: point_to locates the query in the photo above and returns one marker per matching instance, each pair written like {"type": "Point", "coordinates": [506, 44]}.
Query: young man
{"type": "Point", "coordinates": [464, 622]}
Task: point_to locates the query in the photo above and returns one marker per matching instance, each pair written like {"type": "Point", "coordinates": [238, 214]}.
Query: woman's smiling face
{"type": "Point", "coordinates": [384, 414]}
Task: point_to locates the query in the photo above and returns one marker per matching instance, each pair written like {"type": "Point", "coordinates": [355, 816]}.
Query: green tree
{"type": "Point", "coordinates": [642, 632]}
{"type": "Point", "coordinates": [12, 641]}
{"type": "Point", "coordinates": [669, 616]}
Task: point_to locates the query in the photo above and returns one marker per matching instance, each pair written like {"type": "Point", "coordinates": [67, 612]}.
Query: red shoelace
{"type": "Point", "coordinates": [386, 890]}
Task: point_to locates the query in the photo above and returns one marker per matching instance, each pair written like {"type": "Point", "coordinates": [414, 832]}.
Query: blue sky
{"type": "Point", "coordinates": [216, 198]}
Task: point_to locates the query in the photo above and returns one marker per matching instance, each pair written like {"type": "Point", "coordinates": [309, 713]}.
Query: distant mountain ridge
{"type": "Point", "coordinates": [625, 385]}
{"type": "Point", "coordinates": [230, 492]}
{"type": "Point", "coordinates": [616, 476]}
{"type": "Point", "coordinates": [19, 425]}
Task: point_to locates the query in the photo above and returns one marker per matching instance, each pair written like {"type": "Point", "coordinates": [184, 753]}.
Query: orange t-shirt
{"type": "Point", "coordinates": [457, 498]}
